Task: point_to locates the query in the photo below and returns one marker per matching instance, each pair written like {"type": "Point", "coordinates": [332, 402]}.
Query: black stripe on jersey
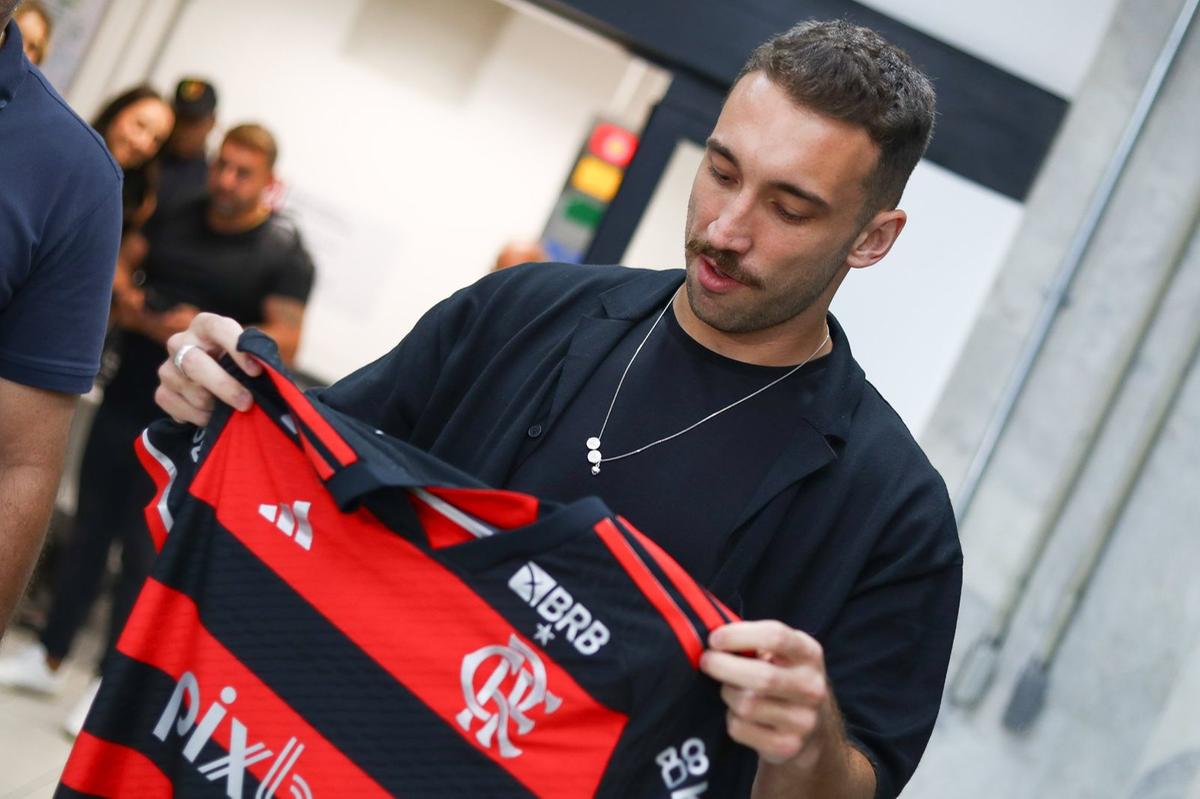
{"type": "Point", "coordinates": [697, 623]}
{"type": "Point", "coordinates": [322, 675]}
{"type": "Point", "coordinates": [720, 608]}
{"type": "Point", "coordinates": [132, 697]}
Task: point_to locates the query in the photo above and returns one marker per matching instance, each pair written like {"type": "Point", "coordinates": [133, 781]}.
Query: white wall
{"type": "Point", "coordinates": [1050, 44]}
{"type": "Point", "coordinates": [405, 186]}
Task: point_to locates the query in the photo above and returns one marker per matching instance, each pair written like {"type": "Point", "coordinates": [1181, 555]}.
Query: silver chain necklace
{"type": "Point", "coordinates": [595, 457]}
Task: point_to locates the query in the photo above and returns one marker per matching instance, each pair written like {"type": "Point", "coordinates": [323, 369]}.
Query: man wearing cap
{"type": "Point", "coordinates": [60, 224]}
{"type": "Point", "coordinates": [185, 155]}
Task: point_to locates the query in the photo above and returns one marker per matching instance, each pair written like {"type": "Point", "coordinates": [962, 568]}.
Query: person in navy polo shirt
{"type": "Point", "coordinates": [60, 226]}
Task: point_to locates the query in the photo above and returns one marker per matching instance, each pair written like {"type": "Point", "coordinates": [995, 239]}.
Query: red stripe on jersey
{"type": "Point", "coordinates": [164, 631]}
{"type": "Point", "coordinates": [413, 616]}
{"type": "Point", "coordinates": [303, 407]}
{"type": "Point", "coordinates": [101, 768]}
{"type": "Point", "coordinates": [505, 509]}
{"type": "Point", "coordinates": [157, 515]}
{"type": "Point", "coordinates": [637, 570]}
{"type": "Point", "coordinates": [700, 600]}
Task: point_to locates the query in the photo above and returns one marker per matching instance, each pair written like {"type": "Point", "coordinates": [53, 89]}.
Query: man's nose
{"type": "Point", "coordinates": [731, 228]}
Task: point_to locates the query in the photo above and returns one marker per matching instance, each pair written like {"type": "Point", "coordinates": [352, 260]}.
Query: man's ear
{"type": "Point", "coordinates": [876, 238]}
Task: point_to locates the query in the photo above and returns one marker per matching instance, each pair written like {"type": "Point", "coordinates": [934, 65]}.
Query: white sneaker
{"type": "Point", "coordinates": [26, 670]}
{"type": "Point", "coordinates": [73, 723]}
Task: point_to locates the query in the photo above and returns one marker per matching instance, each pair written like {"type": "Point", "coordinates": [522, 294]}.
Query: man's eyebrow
{"type": "Point", "coordinates": [781, 185]}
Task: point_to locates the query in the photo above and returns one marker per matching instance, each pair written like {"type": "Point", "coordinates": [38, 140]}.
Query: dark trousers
{"type": "Point", "coordinates": [113, 490]}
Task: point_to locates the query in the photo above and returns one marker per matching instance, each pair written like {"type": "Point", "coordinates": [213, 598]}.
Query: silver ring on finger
{"type": "Point", "coordinates": [177, 360]}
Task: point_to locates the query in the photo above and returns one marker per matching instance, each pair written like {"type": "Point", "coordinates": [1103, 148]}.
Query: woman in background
{"type": "Point", "coordinates": [135, 124]}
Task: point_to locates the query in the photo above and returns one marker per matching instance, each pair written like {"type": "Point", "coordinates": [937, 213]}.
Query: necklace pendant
{"type": "Point", "coordinates": [594, 457]}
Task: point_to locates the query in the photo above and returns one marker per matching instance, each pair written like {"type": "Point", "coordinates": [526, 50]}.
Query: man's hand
{"type": "Point", "coordinates": [780, 704]}
{"type": "Point", "coordinates": [189, 393]}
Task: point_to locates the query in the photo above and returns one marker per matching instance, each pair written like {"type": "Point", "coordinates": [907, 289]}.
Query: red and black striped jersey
{"type": "Point", "coordinates": [335, 613]}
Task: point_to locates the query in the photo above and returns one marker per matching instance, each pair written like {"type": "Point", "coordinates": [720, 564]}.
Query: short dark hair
{"type": "Point", "coordinates": [6, 10]}
{"type": "Point", "coordinates": [255, 137]}
{"type": "Point", "coordinates": [853, 74]}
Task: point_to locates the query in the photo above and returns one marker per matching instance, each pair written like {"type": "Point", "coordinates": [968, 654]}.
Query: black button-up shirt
{"type": "Point", "coordinates": [848, 535]}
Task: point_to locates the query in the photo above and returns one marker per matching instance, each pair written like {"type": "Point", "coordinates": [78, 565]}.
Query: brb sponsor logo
{"type": "Point", "coordinates": [501, 685]}
{"type": "Point", "coordinates": [180, 716]}
{"type": "Point", "coordinates": [560, 610]}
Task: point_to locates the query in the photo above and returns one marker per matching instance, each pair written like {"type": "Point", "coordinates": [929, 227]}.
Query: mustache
{"type": "Point", "coordinates": [726, 260]}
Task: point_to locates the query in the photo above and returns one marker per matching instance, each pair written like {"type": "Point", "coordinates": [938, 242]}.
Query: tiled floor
{"type": "Point", "coordinates": [33, 747]}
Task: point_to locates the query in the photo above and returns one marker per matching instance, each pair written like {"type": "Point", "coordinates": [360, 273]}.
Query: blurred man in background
{"type": "Point", "coordinates": [60, 225]}
{"type": "Point", "coordinates": [519, 251]}
{"type": "Point", "coordinates": [184, 162]}
{"type": "Point", "coordinates": [37, 27]}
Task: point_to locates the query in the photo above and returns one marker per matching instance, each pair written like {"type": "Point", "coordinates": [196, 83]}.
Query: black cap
{"type": "Point", "coordinates": [195, 98]}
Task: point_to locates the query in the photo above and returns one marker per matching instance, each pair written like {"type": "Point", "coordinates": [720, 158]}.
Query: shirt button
{"type": "Point", "coordinates": [534, 431]}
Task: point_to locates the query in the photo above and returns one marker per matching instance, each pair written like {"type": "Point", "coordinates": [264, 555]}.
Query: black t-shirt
{"type": "Point", "coordinates": [227, 274]}
{"type": "Point", "coordinates": [690, 491]}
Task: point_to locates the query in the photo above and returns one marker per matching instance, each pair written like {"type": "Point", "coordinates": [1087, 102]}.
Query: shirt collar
{"type": "Point", "coordinates": [838, 390]}
{"type": "Point", "coordinates": [13, 64]}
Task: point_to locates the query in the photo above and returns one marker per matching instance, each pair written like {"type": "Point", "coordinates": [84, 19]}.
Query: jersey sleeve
{"type": "Point", "coordinates": [170, 453]}
{"type": "Point", "coordinates": [52, 330]}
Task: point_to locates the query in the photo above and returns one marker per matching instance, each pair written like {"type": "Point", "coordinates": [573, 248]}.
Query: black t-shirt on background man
{"type": "Point", "coordinates": [226, 273]}
{"type": "Point", "coordinates": [230, 274]}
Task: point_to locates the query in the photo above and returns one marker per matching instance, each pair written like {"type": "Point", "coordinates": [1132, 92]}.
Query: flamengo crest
{"type": "Point", "coordinates": [500, 685]}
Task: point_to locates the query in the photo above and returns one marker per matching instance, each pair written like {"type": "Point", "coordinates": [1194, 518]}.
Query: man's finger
{"type": "Point", "coordinates": [175, 383]}
{"type": "Point", "coordinates": [774, 746]}
{"type": "Point", "coordinates": [773, 638]}
{"type": "Point", "coordinates": [205, 374]}
{"type": "Point", "coordinates": [180, 409]}
{"type": "Point", "coordinates": [219, 334]}
{"type": "Point", "coordinates": [792, 683]}
{"type": "Point", "coordinates": [769, 711]}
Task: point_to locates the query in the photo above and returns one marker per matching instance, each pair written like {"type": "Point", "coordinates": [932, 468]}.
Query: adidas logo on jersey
{"type": "Point", "coordinates": [180, 717]}
{"type": "Point", "coordinates": [291, 520]}
{"type": "Point", "coordinates": [556, 605]}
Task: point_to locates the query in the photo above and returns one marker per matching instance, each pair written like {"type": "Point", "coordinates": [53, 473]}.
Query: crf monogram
{"type": "Point", "coordinates": [515, 685]}
{"type": "Point", "coordinates": [232, 766]}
